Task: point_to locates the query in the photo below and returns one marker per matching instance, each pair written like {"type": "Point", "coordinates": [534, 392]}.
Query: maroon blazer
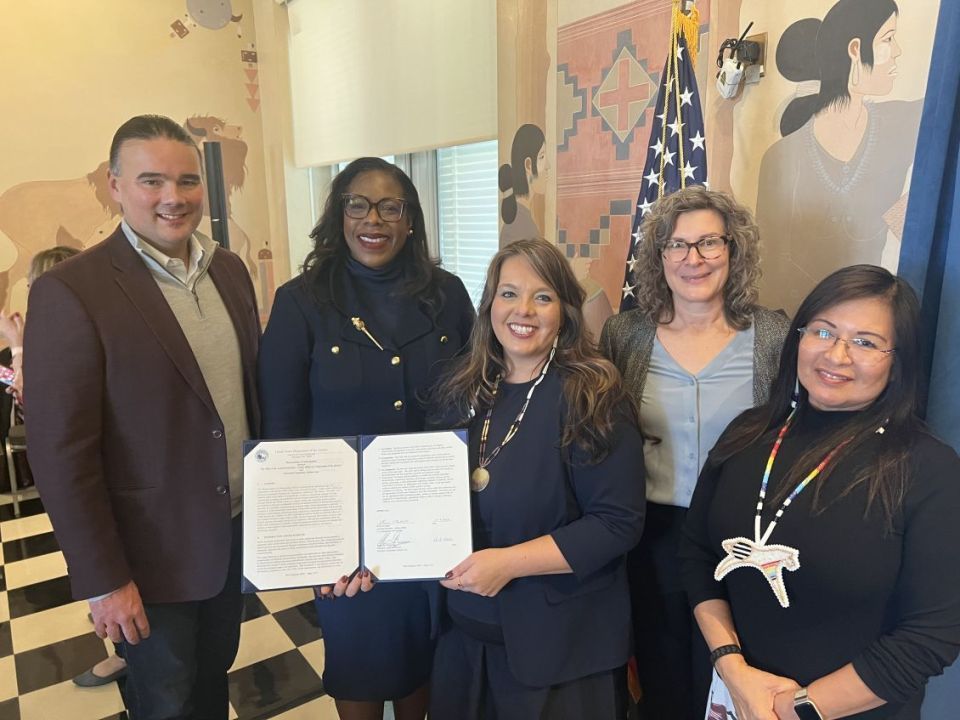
{"type": "Point", "coordinates": [126, 446]}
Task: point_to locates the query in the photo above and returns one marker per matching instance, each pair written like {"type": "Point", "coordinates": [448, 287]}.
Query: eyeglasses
{"type": "Point", "coordinates": [358, 207]}
{"type": "Point", "coordinates": [709, 248]}
{"type": "Point", "coordinates": [861, 350]}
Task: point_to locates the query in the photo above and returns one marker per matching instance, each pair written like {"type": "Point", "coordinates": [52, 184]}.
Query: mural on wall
{"type": "Point", "coordinates": [832, 190]}
{"type": "Point", "coordinates": [80, 212]}
{"type": "Point", "coordinates": [608, 72]}
{"type": "Point", "coordinates": [201, 60]}
{"type": "Point", "coordinates": [526, 31]}
{"type": "Point", "coordinates": [524, 178]}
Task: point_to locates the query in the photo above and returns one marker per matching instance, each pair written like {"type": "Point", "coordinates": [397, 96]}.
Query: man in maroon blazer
{"type": "Point", "coordinates": [140, 368]}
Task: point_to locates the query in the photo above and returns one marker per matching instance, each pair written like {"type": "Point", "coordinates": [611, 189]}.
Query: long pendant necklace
{"type": "Point", "coordinates": [480, 477]}
{"type": "Point", "coordinates": [771, 560]}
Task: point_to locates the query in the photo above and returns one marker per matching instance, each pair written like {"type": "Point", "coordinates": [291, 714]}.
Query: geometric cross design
{"type": "Point", "coordinates": [623, 94]}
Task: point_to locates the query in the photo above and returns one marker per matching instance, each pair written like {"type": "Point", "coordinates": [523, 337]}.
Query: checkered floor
{"type": "Point", "coordinates": [46, 639]}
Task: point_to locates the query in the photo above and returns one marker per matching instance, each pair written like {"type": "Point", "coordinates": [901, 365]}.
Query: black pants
{"type": "Point", "coordinates": [673, 662]}
{"type": "Point", "coordinates": [180, 671]}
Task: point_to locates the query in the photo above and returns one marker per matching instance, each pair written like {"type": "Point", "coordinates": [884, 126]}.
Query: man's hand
{"type": "Point", "coordinates": [120, 615]}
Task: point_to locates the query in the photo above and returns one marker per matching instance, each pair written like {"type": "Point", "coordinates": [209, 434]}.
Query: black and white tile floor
{"type": "Point", "coordinates": [46, 639]}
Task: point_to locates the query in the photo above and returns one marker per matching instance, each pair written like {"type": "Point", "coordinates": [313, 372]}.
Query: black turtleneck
{"type": "Point", "coordinates": [380, 292]}
{"type": "Point", "coordinates": [888, 602]}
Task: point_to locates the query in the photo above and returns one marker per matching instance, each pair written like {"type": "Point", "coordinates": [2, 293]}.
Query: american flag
{"type": "Point", "coordinates": [677, 155]}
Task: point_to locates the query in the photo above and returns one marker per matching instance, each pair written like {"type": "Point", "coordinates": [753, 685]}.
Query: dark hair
{"type": "Point", "coordinates": [513, 177]}
{"type": "Point", "coordinates": [896, 409]}
{"type": "Point", "coordinates": [147, 127]}
{"type": "Point", "coordinates": [813, 50]}
{"type": "Point", "coordinates": [326, 261]}
{"type": "Point", "coordinates": [46, 259]}
{"type": "Point", "coordinates": [654, 297]}
{"type": "Point", "coordinates": [592, 386]}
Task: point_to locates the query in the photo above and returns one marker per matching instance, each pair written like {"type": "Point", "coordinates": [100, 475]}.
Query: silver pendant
{"type": "Point", "coordinates": [479, 479]}
{"type": "Point", "coordinates": [771, 560]}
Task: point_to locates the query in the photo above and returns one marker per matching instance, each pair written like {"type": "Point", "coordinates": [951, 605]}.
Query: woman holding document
{"type": "Point", "coordinates": [351, 345]}
{"type": "Point", "coordinates": [538, 616]}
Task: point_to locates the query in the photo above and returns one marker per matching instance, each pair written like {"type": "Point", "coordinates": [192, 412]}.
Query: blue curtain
{"type": "Point", "coordinates": [930, 262]}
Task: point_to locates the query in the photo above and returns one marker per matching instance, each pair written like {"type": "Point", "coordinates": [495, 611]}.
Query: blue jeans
{"type": "Point", "coordinates": [180, 671]}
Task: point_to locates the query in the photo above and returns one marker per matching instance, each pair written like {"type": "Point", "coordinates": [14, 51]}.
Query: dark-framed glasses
{"type": "Point", "coordinates": [358, 207]}
{"type": "Point", "coordinates": [861, 350]}
{"type": "Point", "coordinates": [709, 247]}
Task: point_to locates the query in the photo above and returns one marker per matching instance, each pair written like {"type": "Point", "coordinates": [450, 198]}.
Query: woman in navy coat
{"type": "Point", "coordinates": [351, 346]}
{"type": "Point", "coordinates": [537, 622]}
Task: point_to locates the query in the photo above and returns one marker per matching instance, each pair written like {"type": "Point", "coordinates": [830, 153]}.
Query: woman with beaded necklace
{"type": "Point", "coordinates": [822, 551]}
{"type": "Point", "coordinates": [538, 616]}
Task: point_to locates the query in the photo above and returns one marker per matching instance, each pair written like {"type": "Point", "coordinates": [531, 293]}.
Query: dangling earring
{"type": "Point", "coordinates": [410, 231]}
{"type": "Point", "coordinates": [795, 398]}
{"type": "Point", "coordinates": [855, 73]}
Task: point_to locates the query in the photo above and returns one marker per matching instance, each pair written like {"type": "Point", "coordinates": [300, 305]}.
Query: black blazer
{"type": "Point", "coordinates": [558, 628]}
{"type": "Point", "coordinates": [321, 377]}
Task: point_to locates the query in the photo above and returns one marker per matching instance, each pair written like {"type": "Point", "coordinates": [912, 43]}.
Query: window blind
{"type": "Point", "coordinates": [468, 197]}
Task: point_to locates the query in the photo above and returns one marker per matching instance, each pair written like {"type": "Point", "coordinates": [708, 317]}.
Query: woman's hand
{"type": "Point", "coordinates": [783, 706]}
{"type": "Point", "coordinates": [361, 580]}
{"type": "Point", "coordinates": [484, 572]}
{"type": "Point", "coordinates": [11, 328]}
{"type": "Point", "coordinates": [753, 690]}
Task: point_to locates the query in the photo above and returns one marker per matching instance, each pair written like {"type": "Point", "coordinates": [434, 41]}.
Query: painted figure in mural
{"type": "Point", "coordinates": [833, 187]}
{"type": "Point", "coordinates": [80, 212]}
{"type": "Point", "coordinates": [525, 176]}
{"type": "Point", "coordinates": [696, 352]}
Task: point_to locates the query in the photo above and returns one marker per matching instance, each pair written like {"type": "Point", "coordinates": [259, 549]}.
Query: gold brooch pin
{"type": "Point", "coordinates": [362, 327]}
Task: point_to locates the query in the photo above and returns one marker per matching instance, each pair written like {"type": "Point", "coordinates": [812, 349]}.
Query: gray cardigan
{"type": "Point", "coordinates": [627, 340]}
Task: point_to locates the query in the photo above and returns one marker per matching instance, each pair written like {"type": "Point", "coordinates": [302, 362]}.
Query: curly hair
{"type": "Point", "coordinates": [326, 261]}
{"type": "Point", "coordinates": [592, 386]}
{"type": "Point", "coordinates": [740, 292]}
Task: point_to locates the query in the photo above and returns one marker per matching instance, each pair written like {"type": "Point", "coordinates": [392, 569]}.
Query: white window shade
{"type": "Point", "coordinates": [375, 77]}
{"type": "Point", "coordinates": [467, 196]}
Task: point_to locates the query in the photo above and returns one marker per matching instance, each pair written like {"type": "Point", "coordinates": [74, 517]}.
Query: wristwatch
{"type": "Point", "coordinates": [804, 707]}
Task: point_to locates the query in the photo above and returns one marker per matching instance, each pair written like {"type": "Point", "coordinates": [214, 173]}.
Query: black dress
{"type": "Point", "coordinates": [321, 377]}
{"type": "Point", "coordinates": [887, 602]}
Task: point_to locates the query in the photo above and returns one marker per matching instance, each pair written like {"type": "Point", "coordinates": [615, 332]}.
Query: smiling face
{"type": "Point", "coordinates": [160, 189]}
{"type": "Point", "coordinates": [526, 316]}
{"type": "Point", "coordinates": [831, 378]}
{"type": "Point", "coordinates": [372, 241]}
{"type": "Point", "coordinates": [695, 280]}
{"type": "Point", "coordinates": [879, 79]}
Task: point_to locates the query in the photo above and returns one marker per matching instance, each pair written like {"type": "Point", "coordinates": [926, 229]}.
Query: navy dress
{"type": "Point", "coordinates": [321, 377]}
{"type": "Point", "coordinates": [548, 645]}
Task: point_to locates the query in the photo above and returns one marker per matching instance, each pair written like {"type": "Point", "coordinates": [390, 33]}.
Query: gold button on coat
{"type": "Point", "coordinates": [335, 349]}
{"type": "Point", "coordinates": [444, 339]}
{"type": "Point", "coordinates": [398, 405]}
{"type": "Point", "coordinates": [395, 360]}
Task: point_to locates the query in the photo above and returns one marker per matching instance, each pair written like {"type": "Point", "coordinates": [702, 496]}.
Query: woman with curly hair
{"type": "Point", "coordinates": [351, 344]}
{"type": "Point", "coordinates": [695, 352]}
{"type": "Point", "coordinates": [558, 495]}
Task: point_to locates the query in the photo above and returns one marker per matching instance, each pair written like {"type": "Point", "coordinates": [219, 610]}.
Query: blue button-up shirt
{"type": "Point", "coordinates": [688, 413]}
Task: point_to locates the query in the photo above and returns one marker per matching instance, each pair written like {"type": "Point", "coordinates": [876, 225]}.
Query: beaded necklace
{"type": "Point", "coordinates": [480, 477]}
{"type": "Point", "coordinates": [771, 560]}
